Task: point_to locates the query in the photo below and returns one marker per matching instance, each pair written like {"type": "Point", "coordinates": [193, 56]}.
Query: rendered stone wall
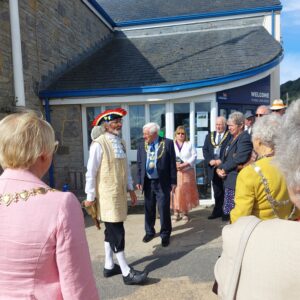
{"type": "Point", "coordinates": [68, 161]}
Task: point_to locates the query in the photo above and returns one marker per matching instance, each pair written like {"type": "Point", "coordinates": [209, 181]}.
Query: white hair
{"type": "Point", "coordinates": [152, 127]}
{"type": "Point", "coordinates": [222, 118]}
{"type": "Point", "coordinates": [287, 145]}
{"type": "Point", "coordinates": [237, 118]}
{"type": "Point", "coordinates": [266, 129]}
{"type": "Point", "coordinates": [97, 131]}
{"type": "Point", "coordinates": [264, 108]}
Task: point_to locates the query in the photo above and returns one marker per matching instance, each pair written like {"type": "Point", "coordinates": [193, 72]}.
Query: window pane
{"type": "Point", "coordinates": [111, 106]}
{"type": "Point", "coordinates": [91, 113]}
{"type": "Point", "coordinates": [136, 122]}
{"type": "Point", "coordinates": [158, 115]}
{"type": "Point", "coordinates": [182, 116]}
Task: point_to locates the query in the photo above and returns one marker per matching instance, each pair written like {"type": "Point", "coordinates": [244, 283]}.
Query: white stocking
{"type": "Point", "coordinates": [109, 262]}
{"type": "Point", "coordinates": [122, 262]}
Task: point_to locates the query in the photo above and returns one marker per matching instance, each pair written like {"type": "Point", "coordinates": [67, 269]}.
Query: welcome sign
{"type": "Point", "coordinates": [257, 93]}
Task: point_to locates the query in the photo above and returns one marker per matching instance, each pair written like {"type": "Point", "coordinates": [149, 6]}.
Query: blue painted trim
{"type": "Point", "coordinates": [47, 110]}
{"type": "Point", "coordinates": [48, 119]}
{"type": "Point", "coordinates": [168, 88]}
{"type": "Point", "coordinates": [102, 12]}
{"type": "Point", "coordinates": [200, 16]}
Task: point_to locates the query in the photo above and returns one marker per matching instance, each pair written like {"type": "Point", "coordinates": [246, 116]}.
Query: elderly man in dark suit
{"type": "Point", "coordinates": [213, 149]}
{"type": "Point", "coordinates": [156, 176]}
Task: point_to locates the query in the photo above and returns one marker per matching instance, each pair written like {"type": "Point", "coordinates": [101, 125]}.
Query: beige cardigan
{"type": "Point", "coordinates": [270, 266]}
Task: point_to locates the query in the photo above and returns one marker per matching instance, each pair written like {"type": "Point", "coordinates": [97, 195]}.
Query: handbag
{"type": "Point", "coordinates": [237, 264]}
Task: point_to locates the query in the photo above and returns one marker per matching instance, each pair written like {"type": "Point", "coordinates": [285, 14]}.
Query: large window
{"type": "Point", "coordinates": [182, 116]}
{"type": "Point", "coordinates": [91, 113]}
{"type": "Point", "coordinates": [136, 123]}
{"type": "Point", "coordinates": [202, 128]}
{"type": "Point", "coordinates": [158, 115]}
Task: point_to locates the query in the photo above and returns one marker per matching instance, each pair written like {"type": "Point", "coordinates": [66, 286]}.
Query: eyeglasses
{"type": "Point", "coordinates": [259, 115]}
{"type": "Point", "coordinates": [180, 133]}
{"type": "Point", "coordinates": [55, 146]}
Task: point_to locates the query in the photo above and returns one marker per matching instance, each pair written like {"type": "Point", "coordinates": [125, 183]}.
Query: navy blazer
{"type": "Point", "coordinates": [237, 153]}
{"type": "Point", "coordinates": [166, 165]}
{"type": "Point", "coordinates": [208, 152]}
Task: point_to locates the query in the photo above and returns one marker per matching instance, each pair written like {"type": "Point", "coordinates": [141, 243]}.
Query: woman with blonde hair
{"type": "Point", "coordinates": [186, 194]}
{"type": "Point", "coordinates": [44, 252]}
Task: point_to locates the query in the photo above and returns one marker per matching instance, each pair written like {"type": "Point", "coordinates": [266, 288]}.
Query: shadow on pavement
{"type": "Point", "coordinates": [184, 239]}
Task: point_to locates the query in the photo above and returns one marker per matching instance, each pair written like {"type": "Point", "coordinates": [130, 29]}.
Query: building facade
{"type": "Point", "coordinates": [179, 65]}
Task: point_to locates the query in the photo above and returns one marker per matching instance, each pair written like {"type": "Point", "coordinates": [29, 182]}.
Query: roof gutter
{"type": "Point", "coordinates": [255, 10]}
{"type": "Point", "coordinates": [163, 88]}
{"type": "Point", "coordinates": [101, 11]}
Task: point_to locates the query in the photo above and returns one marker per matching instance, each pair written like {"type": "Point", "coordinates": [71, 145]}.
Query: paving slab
{"type": "Point", "coordinates": [184, 270]}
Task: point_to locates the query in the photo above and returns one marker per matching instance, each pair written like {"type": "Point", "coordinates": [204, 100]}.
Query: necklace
{"type": "Point", "coordinates": [160, 146]}
{"type": "Point", "coordinates": [265, 155]}
{"type": "Point", "coordinates": [179, 146]}
{"type": "Point", "coordinates": [8, 198]}
{"type": "Point", "coordinates": [275, 205]}
{"type": "Point", "coordinates": [212, 140]}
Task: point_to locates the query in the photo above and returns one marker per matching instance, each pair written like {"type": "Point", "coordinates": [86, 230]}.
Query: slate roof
{"type": "Point", "coordinates": [128, 10]}
{"type": "Point", "coordinates": [171, 59]}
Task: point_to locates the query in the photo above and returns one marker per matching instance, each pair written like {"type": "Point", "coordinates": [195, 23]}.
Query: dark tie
{"type": "Point", "coordinates": [151, 160]}
{"type": "Point", "coordinates": [219, 139]}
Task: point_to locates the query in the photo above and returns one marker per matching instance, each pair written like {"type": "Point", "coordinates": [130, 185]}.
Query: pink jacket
{"type": "Point", "coordinates": [43, 248]}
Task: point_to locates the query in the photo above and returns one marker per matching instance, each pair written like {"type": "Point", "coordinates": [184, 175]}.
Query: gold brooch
{"type": "Point", "coordinates": [8, 198]}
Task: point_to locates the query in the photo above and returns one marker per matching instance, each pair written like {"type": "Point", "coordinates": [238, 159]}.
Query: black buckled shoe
{"type": "Point", "coordinates": [135, 277]}
{"type": "Point", "coordinates": [214, 216]}
{"type": "Point", "coordinates": [147, 238]}
{"type": "Point", "coordinates": [114, 271]}
{"type": "Point", "coordinates": [165, 241]}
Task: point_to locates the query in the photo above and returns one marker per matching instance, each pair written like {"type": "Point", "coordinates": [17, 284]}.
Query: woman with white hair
{"type": "Point", "coordinates": [260, 259]}
{"type": "Point", "coordinates": [261, 188]}
{"type": "Point", "coordinates": [44, 252]}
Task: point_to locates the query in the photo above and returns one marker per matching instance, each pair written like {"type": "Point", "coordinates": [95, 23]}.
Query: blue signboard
{"type": "Point", "coordinates": [257, 93]}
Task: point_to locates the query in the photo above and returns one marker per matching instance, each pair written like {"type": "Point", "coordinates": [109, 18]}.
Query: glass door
{"type": "Point", "coordinates": [202, 128]}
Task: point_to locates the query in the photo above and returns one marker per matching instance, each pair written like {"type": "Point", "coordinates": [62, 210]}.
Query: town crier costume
{"type": "Point", "coordinates": [108, 179]}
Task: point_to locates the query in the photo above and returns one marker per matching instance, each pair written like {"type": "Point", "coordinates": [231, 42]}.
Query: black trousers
{"type": "Point", "coordinates": [217, 185]}
{"type": "Point", "coordinates": [114, 234]}
{"type": "Point", "coordinates": [154, 193]}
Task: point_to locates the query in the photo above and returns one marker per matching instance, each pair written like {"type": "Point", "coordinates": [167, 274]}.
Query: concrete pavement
{"type": "Point", "coordinates": [184, 270]}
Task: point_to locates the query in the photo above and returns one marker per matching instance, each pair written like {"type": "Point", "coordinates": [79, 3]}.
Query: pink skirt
{"type": "Point", "coordinates": [186, 194]}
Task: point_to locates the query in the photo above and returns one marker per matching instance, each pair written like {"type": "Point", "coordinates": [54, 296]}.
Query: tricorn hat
{"type": "Point", "coordinates": [109, 115]}
{"type": "Point", "coordinates": [277, 105]}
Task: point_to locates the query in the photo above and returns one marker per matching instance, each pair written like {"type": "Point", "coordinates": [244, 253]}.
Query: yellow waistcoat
{"type": "Point", "coordinates": [111, 184]}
